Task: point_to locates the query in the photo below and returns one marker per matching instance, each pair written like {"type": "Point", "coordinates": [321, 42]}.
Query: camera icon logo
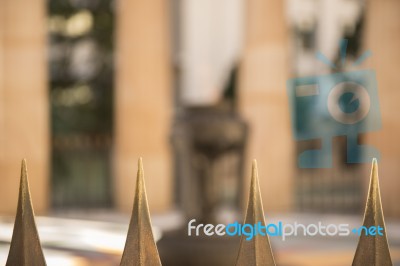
{"type": "Point", "coordinates": [348, 102]}
{"type": "Point", "coordinates": [339, 104]}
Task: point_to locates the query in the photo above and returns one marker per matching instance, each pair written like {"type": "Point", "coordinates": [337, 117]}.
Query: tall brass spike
{"type": "Point", "coordinates": [25, 249]}
{"type": "Point", "coordinates": [140, 247]}
{"type": "Point", "coordinates": [373, 250]}
{"type": "Point", "coordinates": [257, 251]}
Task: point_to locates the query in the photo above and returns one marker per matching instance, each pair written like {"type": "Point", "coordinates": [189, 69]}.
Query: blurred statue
{"type": "Point", "coordinates": [209, 145]}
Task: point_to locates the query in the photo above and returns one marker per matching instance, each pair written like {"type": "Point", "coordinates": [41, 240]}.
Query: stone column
{"type": "Point", "coordinates": [383, 39]}
{"type": "Point", "coordinates": [142, 102]}
{"type": "Point", "coordinates": [264, 103]}
{"type": "Point", "coordinates": [24, 116]}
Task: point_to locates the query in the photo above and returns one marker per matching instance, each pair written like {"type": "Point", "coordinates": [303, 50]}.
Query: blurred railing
{"type": "Point", "coordinates": [140, 247]}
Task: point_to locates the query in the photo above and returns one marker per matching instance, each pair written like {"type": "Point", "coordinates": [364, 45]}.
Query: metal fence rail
{"type": "Point", "coordinates": [141, 250]}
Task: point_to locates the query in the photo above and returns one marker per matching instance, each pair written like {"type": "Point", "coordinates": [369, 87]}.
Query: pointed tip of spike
{"type": "Point", "coordinates": [140, 164]}
{"type": "Point", "coordinates": [24, 169]}
{"type": "Point", "coordinates": [140, 185]}
{"type": "Point", "coordinates": [374, 164]}
{"type": "Point", "coordinates": [373, 249]}
{"type": "Point", "coordinates": [374, 190]}
{"type": "Point", "coordinates": [140, 248]}
{"type": "Point", "coordinates": [24, 183]}
{"type": "Point", "coordinates": [256, 251]}
{"type": "Point", "coordinates": [25, 244]}
{"type": "Point", "coordinates": [254, 171]}
{"type": "Point", "coordinates": [374, 169]}
{"type": "Point", "coordinates": [140, 170]}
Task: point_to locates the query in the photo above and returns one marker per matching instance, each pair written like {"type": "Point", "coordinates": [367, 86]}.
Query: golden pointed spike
{"type": "Point", "coordinates": [373, 250]}
{"type": "Point", "coordinates": [25, 249]}
{"type": "Point", "coordinates": [140, 248]}
{"type": "Point", "coordinates": [256, 251]}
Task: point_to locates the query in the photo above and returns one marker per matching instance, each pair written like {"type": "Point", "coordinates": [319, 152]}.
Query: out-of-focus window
{"type": "Point", "coordinates": [81, 89]}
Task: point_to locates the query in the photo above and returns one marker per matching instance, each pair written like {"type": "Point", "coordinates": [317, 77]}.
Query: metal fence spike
{"type": "Point", "coordinates": [25, 249]}
{"type": "Point", "coordinates": [256, 251]}
{"type": "Point", "coordinates": [140, 247]}
{"type": "Point", "coordinates": [373, 250]}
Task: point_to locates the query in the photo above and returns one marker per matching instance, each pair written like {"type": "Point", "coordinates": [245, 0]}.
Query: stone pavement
{"type": "Point", "coordinates": [68, 242]}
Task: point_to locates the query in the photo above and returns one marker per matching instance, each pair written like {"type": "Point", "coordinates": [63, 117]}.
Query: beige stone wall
{"type": "Point", "coordinates": [143, 99]}
{"type": "Point", "coordinates": [383, 39]}
{"type": "Point", "coordinates": [263, 101]}
{"type": "Point", "coordinates": [24, 117]}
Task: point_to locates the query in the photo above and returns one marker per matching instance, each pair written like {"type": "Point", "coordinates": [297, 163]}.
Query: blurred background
{"type": "Point", "coordinates": [198, 89]}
